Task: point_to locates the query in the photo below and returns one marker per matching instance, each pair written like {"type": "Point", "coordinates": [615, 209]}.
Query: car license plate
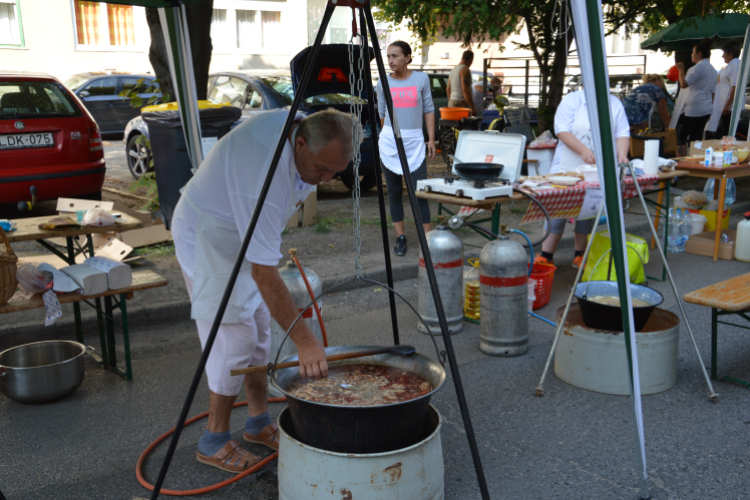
{"type": "Point", "coordinates": [20, 141]}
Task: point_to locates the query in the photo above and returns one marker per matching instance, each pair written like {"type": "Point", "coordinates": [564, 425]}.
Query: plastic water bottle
{"type": "Point", "coordinates": [675, 232]}
{"type": "Point", "coordinates": [687, 228]}
{"type": "Point", "coordinates": [729, 196]}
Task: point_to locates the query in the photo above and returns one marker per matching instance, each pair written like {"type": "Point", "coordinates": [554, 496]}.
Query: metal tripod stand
{"type": "Point", "coordinates": [561, 324]}
{"type": "Point", "coordinates": [367, 25]}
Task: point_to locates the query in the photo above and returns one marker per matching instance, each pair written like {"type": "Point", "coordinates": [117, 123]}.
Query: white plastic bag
{"type": "Point", "coordinates": [543, 140]}
{"type": "Point", "coordinates": [98, 217]}
{"type": "Point", "coordinates": [31, 280]}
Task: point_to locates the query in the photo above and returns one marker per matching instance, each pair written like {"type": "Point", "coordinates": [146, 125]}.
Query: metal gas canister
{"type": "Point", "coordinates": [447, 252]}
{"type": "Point", "coordinates": [503, 277]}
{"type": "Point", "coordinates": [296, 285]}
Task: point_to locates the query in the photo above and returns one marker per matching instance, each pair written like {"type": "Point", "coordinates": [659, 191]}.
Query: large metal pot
{"type": "Point", "coordinates": [42, 371]}
{"type": "Point", "coordinates": [604, 317]}
{"type": "Point", "coordinates": [362, 429]}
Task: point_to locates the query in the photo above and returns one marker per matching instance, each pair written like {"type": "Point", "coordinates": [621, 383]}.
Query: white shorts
{"type": "Point", "coordinates": [236, 346]}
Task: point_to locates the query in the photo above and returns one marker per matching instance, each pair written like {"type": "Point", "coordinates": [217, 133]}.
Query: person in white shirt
{"type": "Point", "coordinates": [209, 224]}
{"type": "Point", "coordinates": [718, 124]}
{"type": "Point", "coordinates": [576, 147]}
{"type": "Point", "coordinates": [701, 82]}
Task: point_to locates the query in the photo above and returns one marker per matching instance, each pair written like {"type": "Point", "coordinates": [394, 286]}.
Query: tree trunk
{"type": "Point", "coordinates": [199, 27]}
{"type": "Point", "coordinates": [556, 83]}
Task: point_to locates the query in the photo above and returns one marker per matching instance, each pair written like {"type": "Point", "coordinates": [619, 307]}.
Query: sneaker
{"type": "Point", "coordinates": [578, 262]}
{"type": "Point", "coordinates": [538, 259]}
{"type": "Point", "coordinates": [400, 248]}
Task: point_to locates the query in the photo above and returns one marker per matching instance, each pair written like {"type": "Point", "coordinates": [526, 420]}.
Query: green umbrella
{"type": "Point", "coordinates": [720, 28]}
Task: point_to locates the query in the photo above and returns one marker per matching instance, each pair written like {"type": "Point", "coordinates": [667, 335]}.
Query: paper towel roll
{"type": "Point", "coordinates": [651, 158]}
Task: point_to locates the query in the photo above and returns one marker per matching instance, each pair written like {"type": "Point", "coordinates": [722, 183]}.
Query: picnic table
{"type": "Point", "coordinates": [729, 297]}
{"type": "Point", "coordinates": [695, 168]}
{"type": "Point", "coordinates": [29, 230]}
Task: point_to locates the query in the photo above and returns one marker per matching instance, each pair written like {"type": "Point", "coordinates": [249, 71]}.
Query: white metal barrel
{"type": "Point", "coordinates": [503, 291]}
{"type": "Point", "coordinates": [596, 360]}
{"type": "Point", "coordinates": [447, 253]}
{"type": "Point", "coordinates": [413, 473]}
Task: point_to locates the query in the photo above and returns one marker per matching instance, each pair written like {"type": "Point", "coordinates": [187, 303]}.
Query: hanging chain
{"type": "Point", "coordinates": [355, 108]}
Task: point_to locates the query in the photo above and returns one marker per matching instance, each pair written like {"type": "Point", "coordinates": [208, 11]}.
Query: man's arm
{"type": "Point", "coordinates": [681, 75]}
{"type": "Point", "coordinates": [448, 88]}
{"type": "Point", "coordinates": [730, 100]}
{"type": "Point", "coordinates": [279, 301]}
{"type": "Point", "coordinates": [465, 76]}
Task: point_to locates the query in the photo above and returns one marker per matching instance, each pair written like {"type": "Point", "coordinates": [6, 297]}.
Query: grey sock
{"type": "Point", "coordinates": [253, 425]}
{"type": "Point", "coordinates": [211, 442]}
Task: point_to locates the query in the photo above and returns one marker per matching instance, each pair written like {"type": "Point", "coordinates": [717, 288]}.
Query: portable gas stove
{"type": "Point", "coordinates": [483, 146]}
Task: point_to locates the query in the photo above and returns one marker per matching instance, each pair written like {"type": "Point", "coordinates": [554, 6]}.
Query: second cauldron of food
{"type": "Point", "coordinates": [362, 429]}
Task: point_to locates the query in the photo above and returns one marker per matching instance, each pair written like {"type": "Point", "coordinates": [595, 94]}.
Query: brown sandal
{"type": "Point", "coordinates": [232, 457]}
{"type": "Point", "coordinates": [269, 436]}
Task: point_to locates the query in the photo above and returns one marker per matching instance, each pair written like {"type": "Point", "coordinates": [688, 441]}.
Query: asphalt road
{"type": "Point", "coordinates": [571, 443]}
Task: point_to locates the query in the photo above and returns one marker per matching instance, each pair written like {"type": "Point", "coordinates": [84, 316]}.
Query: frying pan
{"type": "Point", "coordinates": [476, 171]}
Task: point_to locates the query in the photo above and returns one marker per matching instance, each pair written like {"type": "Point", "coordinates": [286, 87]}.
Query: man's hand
{"type": "Point", "coordinates": [680, 66]}
{"type": "Point", "coordinates": [312, 359]}
{"type": "Point", "coordinates": [431, 150]}
{"type": "Point", "coordinates": [589, 157]}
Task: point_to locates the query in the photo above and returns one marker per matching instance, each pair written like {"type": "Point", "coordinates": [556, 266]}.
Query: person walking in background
{"type": "Point", "coordinates": [459, 90]}
{"type": "Point", "coordinates": [700, 81]}
{"type": "Point", "coordinates": [493, 89]}
{"type": "Point", "coordinates": [412, 102]}
{"type": "Point", "coordinates": [575, 148]}
{"type": "Point", "coordinates": [718, 123]}
{"type": "Point", "coordinates": [644, 100]}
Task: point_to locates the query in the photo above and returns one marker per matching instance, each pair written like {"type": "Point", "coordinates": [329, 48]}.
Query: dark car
{"type": "Point", "coordinates": [100, 91]}
{"type": "Point", "coordinates": [48, 140]}
{"type": "Point", "coordinates": [329, 88]}
{"type": "Point", "coordinates": [250, 92]}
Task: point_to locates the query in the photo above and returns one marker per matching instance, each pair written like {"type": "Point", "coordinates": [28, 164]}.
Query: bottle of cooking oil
{"type": "Point", "coordinates": [471, 290]}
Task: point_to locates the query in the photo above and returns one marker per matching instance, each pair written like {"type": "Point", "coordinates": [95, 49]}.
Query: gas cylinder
{"type": "Point", "coordinates": [447, 252]}
{"type": "Point", "coordinates": [296, 285]}
{"type": "Point", "coordinates": [503, 291]}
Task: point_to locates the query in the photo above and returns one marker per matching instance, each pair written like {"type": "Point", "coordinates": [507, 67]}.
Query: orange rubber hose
{"type": "Point", "coordinates": [213, 487]}
{"type": "Point", "coordinates": [315, 302]}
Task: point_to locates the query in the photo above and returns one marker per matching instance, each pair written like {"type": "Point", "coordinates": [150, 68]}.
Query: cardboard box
{"type": "Point", "coordinates": [703, 244]}
{"type": "Point", "coordinates": [670, 143]}
{"type": "Point", "coordinates": [710, 215]}
{"type": "Point", "coordinates": [699, 147]}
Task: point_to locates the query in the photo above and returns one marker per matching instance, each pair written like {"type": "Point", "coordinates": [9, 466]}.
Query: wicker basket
{"type": "Point", "coordinates": [8, 265]}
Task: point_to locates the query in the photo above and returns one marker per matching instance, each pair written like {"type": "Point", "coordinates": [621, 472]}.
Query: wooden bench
{"type": "Point", "coordinates": [730, 297]}
{"type": "Point", "coordinates": [142, 280]}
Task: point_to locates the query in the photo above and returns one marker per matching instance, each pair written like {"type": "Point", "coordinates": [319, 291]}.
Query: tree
{"type": "Point", "coordinates": [480, 21]}
{"type": "Point", "coordinates": [199, 27]}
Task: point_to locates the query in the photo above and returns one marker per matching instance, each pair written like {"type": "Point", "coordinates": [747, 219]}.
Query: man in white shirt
{"type": "Point", "coordinates": [700, 81]}
{"type": "Point", "coordinates": [209, 224]}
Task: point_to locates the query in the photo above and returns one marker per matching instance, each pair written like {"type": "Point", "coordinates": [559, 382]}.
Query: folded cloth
{"type": "Point", "coordinates": [119, 275]}
{"type": "Point", "coordinates": [92, 281]}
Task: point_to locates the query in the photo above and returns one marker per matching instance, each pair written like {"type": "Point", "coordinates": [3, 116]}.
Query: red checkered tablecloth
{"type": "Point", "coordinates": [565, 203]}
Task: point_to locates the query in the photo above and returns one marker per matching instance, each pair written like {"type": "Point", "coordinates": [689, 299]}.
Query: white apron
{"type": "Point", "coordinates": [723, 88]}
{"type": "Point", "coordinates": [217, 244]}
{"type": "Point", "coordinates": [679, 107]}
{"type": "Point", "coordinates": [413, 145]}
{"type": "Point", "coordinates": [581, 130]}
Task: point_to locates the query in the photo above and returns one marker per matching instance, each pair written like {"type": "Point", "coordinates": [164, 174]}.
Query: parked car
{"type": "Point", "coordinates": [47, 140]}
{"type": "Point", "coordinates": [247, 90]}
{"type": "Point", "coordinates": [100, 91]}
{"type": "Point", "coordinates": [329, 88]}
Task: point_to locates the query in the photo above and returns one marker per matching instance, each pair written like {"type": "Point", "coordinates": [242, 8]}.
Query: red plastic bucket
{"type": "Point", "coordinates": [543, 274]}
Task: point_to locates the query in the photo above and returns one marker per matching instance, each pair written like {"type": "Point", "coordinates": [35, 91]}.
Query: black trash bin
{"type": "Point", "coordinates": [171, 161]}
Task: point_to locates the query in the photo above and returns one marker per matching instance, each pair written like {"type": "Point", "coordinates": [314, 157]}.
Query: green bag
{"type": "Point", "coordinates": [600, 249]}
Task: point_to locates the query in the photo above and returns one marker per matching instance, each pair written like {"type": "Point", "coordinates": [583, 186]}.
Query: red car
{"type": "Point", "coordinates": [47, 140]}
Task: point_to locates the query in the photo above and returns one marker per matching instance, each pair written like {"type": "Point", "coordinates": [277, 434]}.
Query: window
{"type": "Point", "coordinates": [254, 98]}
{"type": "Point", "coordinates": [247, 26]}
{"type": "Point", "coordinates": [129, 83]}
{"type": "Point", "coordinates": [102, 87]}
{"type": "Point", "coordinates": [339, 28]}
{"type": "Point", "coordinates": [101, 24]}
{"type": "Point", "coordinates": [228, 90]}
{"type": "Point", "coordinates": [10, 23]}
{"type": "Point", "coordinates": [35, 100]}
{"type": "Point", "coordinates": [438, 87]}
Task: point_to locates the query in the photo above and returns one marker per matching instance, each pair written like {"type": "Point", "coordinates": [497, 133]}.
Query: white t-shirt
{"type": "Point", "coordinates": [227, 186]}
{"type": "Point", "coordinates": [701, 79]}
{"type": "Point", "coordinates": [572, 116]}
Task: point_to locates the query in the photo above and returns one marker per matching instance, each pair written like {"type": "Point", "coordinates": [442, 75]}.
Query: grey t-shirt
{"type": "Point", "coordinates": [411, 100]}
